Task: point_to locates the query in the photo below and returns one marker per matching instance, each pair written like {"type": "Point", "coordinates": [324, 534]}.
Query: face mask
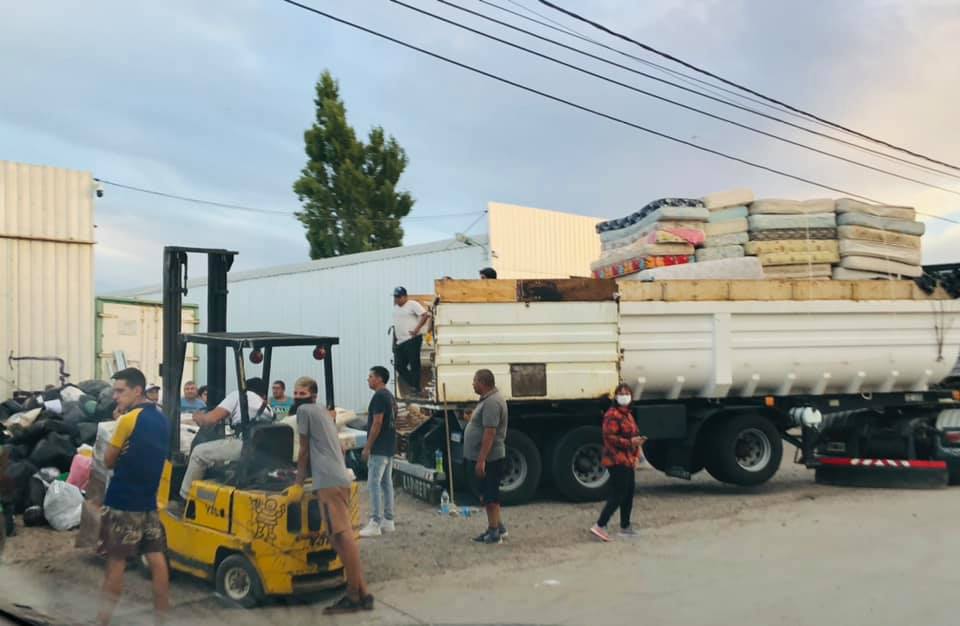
{"type": "Point", "coordinates": [297, 403]}
{"type": "Point", "coordinates": [623, 400]}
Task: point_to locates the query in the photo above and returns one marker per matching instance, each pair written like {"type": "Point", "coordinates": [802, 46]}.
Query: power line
{"type": "Point", "coordinates": [662, 98]}
{"type": "Point", "coordinates": [700, 70]}
{"type": "Point", "coordinates": [586, 109]}
{"type": "Point", "coordinates": [689, 90]}
{"type": "Point", "coordinates": [249, 209]}
{"type": "Point", "coordinates": [690, 80]}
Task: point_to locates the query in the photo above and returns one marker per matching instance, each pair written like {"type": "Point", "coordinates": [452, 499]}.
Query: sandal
{"type": "Point", "coordinates": [345, 605]}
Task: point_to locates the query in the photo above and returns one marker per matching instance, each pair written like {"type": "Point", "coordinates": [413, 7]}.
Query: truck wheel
{"type": "Point", "coordinates": [238, 582]}
{"type": "Point", "coordinates": [521, 471]}
{"type": "Point", "coordinates": [577, 469]}
{"type": "Point", "coordinates": [746, 451]}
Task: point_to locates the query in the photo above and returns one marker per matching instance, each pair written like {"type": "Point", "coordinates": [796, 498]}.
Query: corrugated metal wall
{"type": "Point", "coordinates": [349, 297]}
{"type": "Point", "coordinates": [534, 243]}
{"type": "Point", "coordinates": [46, 273]}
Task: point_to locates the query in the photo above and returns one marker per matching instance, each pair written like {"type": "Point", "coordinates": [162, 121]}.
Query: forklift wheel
{"type": "Point", "coordinates": [238, 582]}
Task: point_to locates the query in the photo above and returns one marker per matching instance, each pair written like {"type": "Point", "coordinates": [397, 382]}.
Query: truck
{"type": "Point", "coordinates": [723, 374]}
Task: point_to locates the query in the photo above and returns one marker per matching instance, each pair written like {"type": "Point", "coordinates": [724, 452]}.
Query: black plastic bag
{"type": "Point", "coordinates": [30, 436]}
{"type": "Point", "coordinates": [39, 482]}
{"type": "Point", "coordinates": [55, 450]}
{"type": "Point", "coordinates": [33, 516]}
{"type": "Point", "coordinates": [93, 387]}
{"type": "Point", "coordinates": [87, 433]}
{"type": "Point", "coordinates": [73, 412]}
{"type": "Point", "coordinates": [19, 474]}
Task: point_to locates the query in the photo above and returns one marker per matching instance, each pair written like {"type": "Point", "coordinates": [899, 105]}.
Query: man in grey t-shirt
{"type": "Point", "coordinates": [484, 443]}
{"type": "Point", "coordinates": [320, 451]}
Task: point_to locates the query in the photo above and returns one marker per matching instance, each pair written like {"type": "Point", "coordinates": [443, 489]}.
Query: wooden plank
{"type": "Point", "coordinates": [883, 290]}
{"type": "Point", "coordinates": [765, 290]}
{"type": "Point", "coordinates": [640, 291]}
{"type": "Point", "coordinates": [822, 290]}
{"type": "Point", "coordinates": [474, 291]}
{"type": "Point", "coordinates": [695, 290]}
{"type": "Point", "coordinates": [566, 290]}
{"type": "Point", "coordinates": [938, 294]}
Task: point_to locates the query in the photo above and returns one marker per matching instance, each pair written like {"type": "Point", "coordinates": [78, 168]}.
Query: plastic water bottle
{"type": "Point", "coordinates": [439, 464]}
{"type": "Point", "coordinates": [445, 502]}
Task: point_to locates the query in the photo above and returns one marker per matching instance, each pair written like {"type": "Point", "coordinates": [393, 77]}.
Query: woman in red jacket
{"type": "Point", "coordinates": [621, 453]}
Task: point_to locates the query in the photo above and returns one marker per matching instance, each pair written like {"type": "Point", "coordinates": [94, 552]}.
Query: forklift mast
{"type": "Point", "coordinates": [175, 266]}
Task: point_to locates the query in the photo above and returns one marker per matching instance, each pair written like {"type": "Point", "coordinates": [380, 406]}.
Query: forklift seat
{"type": "Point", "coordinates": [272, 441]}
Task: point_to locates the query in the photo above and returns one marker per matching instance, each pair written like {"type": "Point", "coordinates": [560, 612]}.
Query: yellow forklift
{"type": "Point", "coordinates": [246, 527]}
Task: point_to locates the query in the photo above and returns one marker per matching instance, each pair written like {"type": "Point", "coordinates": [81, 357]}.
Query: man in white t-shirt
{"type": "Point", "coordinates": [409, 322]}
{"type": "Point", "coordinates": [229, 448]}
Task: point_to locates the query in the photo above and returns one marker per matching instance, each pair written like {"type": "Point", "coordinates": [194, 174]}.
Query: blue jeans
{"type": "Point", "coordinates": [380, 484]}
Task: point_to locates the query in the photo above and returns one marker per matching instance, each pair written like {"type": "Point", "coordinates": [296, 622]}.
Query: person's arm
{"type": "Point", "coordinates": [375, 429]}
{"type": "Point", "coordinates": [121, 438]}
{"type": "Point", "coordinates": [210, 418]}
{"type": "Point", "coordinates": [424, 317]}
{"type": "Point", "coordinates": [611, 433]}
{"type": "Point", "coordinates": [303, 458]}
{"type": "Point", "coordinates": [489, 436]}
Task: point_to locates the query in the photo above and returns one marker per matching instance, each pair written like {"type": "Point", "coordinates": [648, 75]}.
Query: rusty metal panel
{"type": "Point", "coordinates": [528, 379]}
{"type": "Point", "coordinates": [46, 273]}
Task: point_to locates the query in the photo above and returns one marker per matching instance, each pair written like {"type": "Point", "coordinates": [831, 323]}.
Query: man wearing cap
{"type": "Point", "coordinates": [409, 321]}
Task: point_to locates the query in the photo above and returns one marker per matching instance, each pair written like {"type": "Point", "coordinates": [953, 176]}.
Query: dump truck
{"type": "Point", "coordinates": [723, 373]}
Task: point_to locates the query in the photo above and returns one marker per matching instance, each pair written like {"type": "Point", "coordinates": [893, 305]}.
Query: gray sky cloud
{"type": "Point", "coordinates": [211, 100]}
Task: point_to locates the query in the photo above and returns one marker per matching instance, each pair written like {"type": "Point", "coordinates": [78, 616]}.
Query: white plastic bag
{"type": "Point", "coordinates": [62, 505]}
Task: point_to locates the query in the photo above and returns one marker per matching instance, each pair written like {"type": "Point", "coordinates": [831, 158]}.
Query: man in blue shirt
{"type": "Point", "coordinates": [190, 401]}
{"type": "Point", "coordinates": [130, 524]}
{"type": "Point", "coordinates": [281, 403]}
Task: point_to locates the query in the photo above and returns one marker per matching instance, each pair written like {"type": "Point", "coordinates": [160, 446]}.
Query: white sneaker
{"type": "Point", "coordinates": [372, 529]}
{"type": "Point", "coordinates": [388, 526]}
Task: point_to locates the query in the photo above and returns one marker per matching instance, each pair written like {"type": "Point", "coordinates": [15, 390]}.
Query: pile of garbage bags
{"type": "Point", "coordinates": [46, 447]}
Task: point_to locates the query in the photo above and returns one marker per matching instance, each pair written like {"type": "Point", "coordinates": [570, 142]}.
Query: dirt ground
{"type": "Point", "coordinates": [428, 544]}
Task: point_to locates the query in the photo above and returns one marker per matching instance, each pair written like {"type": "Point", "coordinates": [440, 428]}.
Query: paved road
{"type": "Point", "coordinates": [881, 558]}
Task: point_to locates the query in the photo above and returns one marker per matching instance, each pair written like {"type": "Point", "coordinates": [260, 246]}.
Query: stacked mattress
{"type": "Point", "coordinates": [726, 228]}
{"type": "Point", "coordinates": [793, 239]}
{"type": "Point", "coordinates": [661, 234]}
{"type": "Point", "coordinates": [877, 241]}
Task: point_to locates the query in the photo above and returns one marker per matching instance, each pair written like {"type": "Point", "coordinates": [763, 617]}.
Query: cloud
{"type": "Point", "coordinates": [211, 100]}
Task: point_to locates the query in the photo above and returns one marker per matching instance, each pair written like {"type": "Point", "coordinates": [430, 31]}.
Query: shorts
{"type": "Point", "coordinates": [335, 505]}
{"type": "Point", "coordinates": [124, 534]}
{"type": "Point", "coordinates": [490, 483]}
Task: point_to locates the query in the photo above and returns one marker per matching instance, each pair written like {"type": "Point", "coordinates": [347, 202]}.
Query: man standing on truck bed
{"type": "Point", "coordinates": [130, 525]}
{"type": "Point", "coordinates": [484, 443]}
{"type": "Point", "coordinates": [409, 320]}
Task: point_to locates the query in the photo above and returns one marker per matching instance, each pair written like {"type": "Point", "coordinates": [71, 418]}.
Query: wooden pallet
{"type": "Point", "coordinates": [523, 290]}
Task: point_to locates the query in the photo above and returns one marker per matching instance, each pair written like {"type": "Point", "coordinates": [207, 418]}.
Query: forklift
{"type": "Point", "coordinates": [246, 527]}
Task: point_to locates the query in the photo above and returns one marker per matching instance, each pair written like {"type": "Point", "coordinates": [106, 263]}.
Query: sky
{"type": "Point", "coordinates": [210, 100]}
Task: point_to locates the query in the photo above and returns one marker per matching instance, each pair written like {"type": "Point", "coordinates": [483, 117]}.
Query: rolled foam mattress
{"type": "Point", "coordinates": [880, 223]}
{"type": "Point", "coordinates": [651, 207]}
{"type": "Point", "coordinates": [725, 215]}
{"type": "Point", "coordinates": [853, 247]}
{"type": "Point", "coordinates": [723, 252]}
{"type": "Point", "coordinates": [862, 233]}
{"type": "Point", "coordinates": [847, 205]}
{"type": "Point", "coordinates": [880, 266]}
{"type": "Point", "coordinates": [809, 220]}
{"type": "Point", "coordinates": [797, 272]}
{"type": "Point", "coordinates": [733, 239]}
{"type": "Point", "coordinates": [775, 206]}
{"type": "Point", "coordinates": [793, 233]}
{"type": "Point", "coordinates": [791, 245]}
{"type": "Point", "coordinates": [723, 199]}
{"type": "Point", "coordinates": [797, 258]}
{"type": "Point", "coordinates": [726, 228]}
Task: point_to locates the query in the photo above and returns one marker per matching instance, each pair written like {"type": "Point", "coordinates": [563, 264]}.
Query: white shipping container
{"type": "Point", "coordinates": [46, 274]}
{"type": "Point", "coordinates": [135, 328]}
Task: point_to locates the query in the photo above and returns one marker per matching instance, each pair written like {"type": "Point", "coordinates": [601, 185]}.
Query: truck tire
{"type": "Point", "coordinates": [521, 473]}
{"type": "Point", "coordinates": [577, 469]}
{"type": "Point", "coordinates": [655, 452]}
{"type": "Point", "coordinates": [238, 582]}
{"type": "Point", "coordinates": [746, 451]}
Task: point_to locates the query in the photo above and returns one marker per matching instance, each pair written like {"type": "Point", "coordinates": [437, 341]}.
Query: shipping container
{"type": "Point", "coordinates": [46, 275]}
{"type": "Point", "coordinates": [130, 333]}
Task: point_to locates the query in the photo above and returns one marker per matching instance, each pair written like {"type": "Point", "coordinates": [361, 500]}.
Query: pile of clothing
{"type": "Point", "coordinates": [663, 233]}
{"type": "Point", "coordinates": [726, 228]}
{"type": "Point", "coordinates": [46, 439]}
{"type": "Point", "coordinates": [794, 239]}
{"type": "Point", "coordinates": [877, 241]}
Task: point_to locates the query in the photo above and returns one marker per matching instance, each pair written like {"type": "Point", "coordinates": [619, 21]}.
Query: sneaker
{"type": "Point", "coordinates": [388, 526]}
{"type": "Point", "coordinates": [503, 531]}
{"type": "Point", "coordinates": [629, 533]}
{"type": "Point", "coordinates": [600, 532]}
{"type": "Point", "coordinates": [372, 529]}
{"type": "Point", "coordinates": [489, 537]}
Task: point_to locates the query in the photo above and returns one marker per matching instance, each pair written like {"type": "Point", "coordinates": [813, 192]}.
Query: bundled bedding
{"type": "Point", "coordinates": [877, 241]}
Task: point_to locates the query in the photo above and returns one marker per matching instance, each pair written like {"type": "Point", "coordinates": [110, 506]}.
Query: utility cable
{"type": "Point", "coordinates": [700, 70]}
